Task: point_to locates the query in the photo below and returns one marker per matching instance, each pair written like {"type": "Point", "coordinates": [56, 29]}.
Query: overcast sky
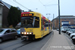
{"type": "Point", "coordinates": [67, 7]}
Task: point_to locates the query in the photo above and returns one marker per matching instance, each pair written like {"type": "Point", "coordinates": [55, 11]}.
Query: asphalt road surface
{"type": "Point", "coordinates": [27, 45]}
{"type": "Point", "coordinates": [24, 45]}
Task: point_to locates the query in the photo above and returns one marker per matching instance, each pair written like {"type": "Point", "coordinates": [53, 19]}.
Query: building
{"type": "Point", "coordinates": [70, 18]}
{"type": "Point", "coordinates": [5, 11]}
{"type": "Point", "coordinates": [1, 9]}
{"type": "Point", "coordinates": [3, 18]}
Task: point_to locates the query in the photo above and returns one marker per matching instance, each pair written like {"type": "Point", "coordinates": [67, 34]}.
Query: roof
{"type": "Point", "coordinates": [66, 16]}
{"type": "Point", "coordinates": [1, 4]}
{"type": "Point", "coordinates": [6, 4]}
{"type": "Point", "coordinates": [18, 8]}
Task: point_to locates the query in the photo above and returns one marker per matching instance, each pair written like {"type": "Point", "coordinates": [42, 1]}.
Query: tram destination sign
{"type": "Point", "coordinates": [27, 15]}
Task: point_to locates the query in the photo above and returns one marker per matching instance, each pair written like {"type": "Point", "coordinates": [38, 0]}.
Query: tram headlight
{"type": "Point", "coordinates": [31, 33]}
{"type": "Point", "coordinates": [21, 32]}
{"type": "Point", "coordinates": [26, 33]}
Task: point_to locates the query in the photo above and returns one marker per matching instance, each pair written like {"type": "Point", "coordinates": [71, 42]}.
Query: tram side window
{"type": "Point", "coordinates": [36, 25]}
{"type": "Point", "coordinates": [42, 26]}
{"type": "Point", "coordinates": [46, 23]}
{"type": "Point", "coordinates": [49, 24]}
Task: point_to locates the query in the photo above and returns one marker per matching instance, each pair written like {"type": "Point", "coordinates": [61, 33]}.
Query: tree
{"type": "Point", "coordinates": [13, 16]}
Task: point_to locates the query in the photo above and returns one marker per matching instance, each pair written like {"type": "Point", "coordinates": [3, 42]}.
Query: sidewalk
{"type": "Point", "coordinates": [58, 42]}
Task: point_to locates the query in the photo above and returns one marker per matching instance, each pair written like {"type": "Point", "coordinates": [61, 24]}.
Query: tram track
{"type": "Point", "coordinates": [9, 45]}
{"type": "Point", "coordinates": [28, 42]}
{"type": "Point", "coordinates": [15, 45]}
{"type": "Point", "coordinates": [22, 43]}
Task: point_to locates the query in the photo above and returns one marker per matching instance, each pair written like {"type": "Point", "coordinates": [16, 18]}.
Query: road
{"type": "Point", "coordinates": [27, 45]}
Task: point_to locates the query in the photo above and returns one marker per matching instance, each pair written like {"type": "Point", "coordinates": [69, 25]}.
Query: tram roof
{"type": "Point", "coordinates": [37, 14]}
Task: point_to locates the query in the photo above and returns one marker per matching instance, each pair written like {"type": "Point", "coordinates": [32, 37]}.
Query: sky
{"type": "Point", "coordinates": [46, 7]}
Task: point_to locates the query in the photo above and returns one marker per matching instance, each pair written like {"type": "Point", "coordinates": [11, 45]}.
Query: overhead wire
{"type": "Point", "coordinates": [48, 4]}
{"type": "Point", "coordinates": [21, 5]}
{"type": "Point", "coordinates": [41, 2]}
{"type": "Point", "coordinates": [51, 5]}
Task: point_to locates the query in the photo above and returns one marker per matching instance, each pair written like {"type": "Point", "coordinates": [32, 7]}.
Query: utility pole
{"type": "Point", "coordinates": [59, 15]}
{"type": "Point", "coordinates": [53, 21]}
{"type": "Point", "coordinates": [53, 16]}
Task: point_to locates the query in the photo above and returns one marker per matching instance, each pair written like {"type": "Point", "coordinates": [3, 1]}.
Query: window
{"type": "Point", "coordinates": [42, 26]}
{"type": "Point", "coordinates": [36, 24]}
{"type": "Point", "coordinates": [1, 30]}
{"type": "Point", "coordinates": [30, 22]}
{"type": "Point", "coordinates": [8, 31]}
{"type": "Point", "coordinates": [74, 19]}
{"type": "Point", "coordinates": [46, 23]}
{"type": "Point", "coordinates": [13, 31]}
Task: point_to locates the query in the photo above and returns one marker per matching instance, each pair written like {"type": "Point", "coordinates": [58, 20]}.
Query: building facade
{"type": "Point", "coordinates": [5, 11]}
{"type": "Point", "coordinates": [3, 14]}
{"type": "Point", "coordinates": [1, 9]}
{"type": "Point", "coordinates": [70, 18]}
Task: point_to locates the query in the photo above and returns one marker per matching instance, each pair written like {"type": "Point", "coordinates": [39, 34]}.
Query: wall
{"type": "Point", "coordinates": [4, 18]}
{"type": "Point", "coordinates": [56, 21]}
{"type": "Point", "coordinates": [0, 15]}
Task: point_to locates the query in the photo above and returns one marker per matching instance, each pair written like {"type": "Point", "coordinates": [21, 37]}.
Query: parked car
{"type": "Point", "coordinates": [18, 25]}
{"type": "Point", "coordinates": [7, 33]}
{"type": "Point", "coordinates": [18, 32]}
{"type": "Point", "coordinates": [63, 30]}
{"type": "Point", "coordinates": [72, 34]}
{"type": "Point", "coordinates": [57, 29]}
{"type": "Point", "coordinates": [71, 31]}
{"type": "Point", "coordinates": [73, 39]}
{"type": "Point", "coordinates": [68, 31]}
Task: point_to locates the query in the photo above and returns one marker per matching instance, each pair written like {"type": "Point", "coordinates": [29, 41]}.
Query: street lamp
{"type": "Point", "coordinates": [59, 15]}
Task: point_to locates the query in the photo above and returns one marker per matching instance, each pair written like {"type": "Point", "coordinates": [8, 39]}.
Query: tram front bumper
{"type": "Point", "coordinates": [28, 37]}
{"type": "Point", "coordinates": [24, 37]}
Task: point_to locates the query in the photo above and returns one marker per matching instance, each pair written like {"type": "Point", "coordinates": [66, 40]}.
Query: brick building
{"type": "Point", "coordinates": [70, 18]}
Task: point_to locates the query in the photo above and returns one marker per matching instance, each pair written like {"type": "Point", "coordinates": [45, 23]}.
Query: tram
{"type": "Point", "coordinates": [34, 25]}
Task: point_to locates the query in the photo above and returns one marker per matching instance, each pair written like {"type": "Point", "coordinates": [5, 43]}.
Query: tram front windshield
{"type": "Point", "coordinates": [30, 22]}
